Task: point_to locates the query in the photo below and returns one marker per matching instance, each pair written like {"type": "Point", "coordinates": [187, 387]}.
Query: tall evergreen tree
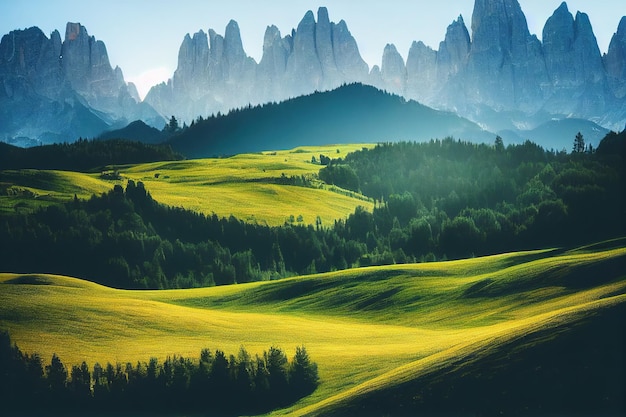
{"type": "Point", "coordinates": [579, 143]}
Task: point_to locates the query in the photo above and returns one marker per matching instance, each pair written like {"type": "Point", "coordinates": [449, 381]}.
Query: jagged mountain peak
{"type": "Point", "coordinates": [272, 34]}
{"type": "Point", "coordinates": [497, 66]}
{"type": "Point", "coordinates": [308, 19]}
{"type": "Point", "coordinates": [393, 70]}
{"type": "Point", "coordinates": [322, 15]}
{"type": "Point", "coordinates": [615, 61]}
{"type": "Point", "coordinates": [200, 36]}
{"type": "Point", "coordinates": [232, 32]}
{"type": "Point", "coordinates": [562, 8]}
{"type": "Point", "coordinates": [314, 56]}
{"type": "Point", "coordinates": [621, 28]}
{"type": "Point", "coordinates": [59, 90]}
{"type": "Point", "coordinates": [74, 31]}
{"type": "Point", "coordinates": [583, 27]}
{"type": "Point", "coordinates": [498, 24]}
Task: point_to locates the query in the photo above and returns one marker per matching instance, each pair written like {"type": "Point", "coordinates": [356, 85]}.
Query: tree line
{"type": "Point", "coordinates": [452, 199]}
{"type": "Point", "coordinates": [213, 383]}
{"type": "Point", "coordinates": [125, 239]}
{"type": "Point", "coordinates": [444, 199]}
{"type": "Point", "coordinates": [84, 155]}
{"type": "Point", "coordinates": [350, 112]}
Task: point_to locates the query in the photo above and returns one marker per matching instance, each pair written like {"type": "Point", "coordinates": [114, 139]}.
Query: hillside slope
{"type": "Point", "coordinates": [379, 334]}
{"type": "Point", "coordinates": [252, 187]}
{"type": "Point", "coordinates": [349, 114]}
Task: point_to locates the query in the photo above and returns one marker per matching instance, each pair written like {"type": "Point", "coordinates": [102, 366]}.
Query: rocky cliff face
{"type": "Point", "coordinates": [503, 57]}
{"type": "Point", "coordinates": [393, 71]}
{"type": "Point", "coordinates": [501, 76]}
{"type": "Point", "coordinates": [574, 65]}
{"type": "Point", "coordinates": [500, 72]}
{"type": "Point", "coordinates": [505, 70]}
{"type": "Point", "coordinates": [318, 55]}
{"type": "Point", "coordinates": [58, 91]}
{"type": "Point", "coordinates": [615, 61]}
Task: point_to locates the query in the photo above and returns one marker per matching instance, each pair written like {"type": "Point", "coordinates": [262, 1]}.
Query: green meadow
{"type": "Point", "coordinates": [369, 329]}
{"type": "Point", "coordinates": [246, 186]}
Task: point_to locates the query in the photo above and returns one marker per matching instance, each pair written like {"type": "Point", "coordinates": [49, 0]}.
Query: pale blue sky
{"type": "Point", "coordinates": [143, 36]}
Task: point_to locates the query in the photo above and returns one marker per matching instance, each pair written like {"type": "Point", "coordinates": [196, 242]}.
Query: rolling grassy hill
{"type": "Point", "coordinates": [379, 334]}
{"type": "Point", "coordinates": [247, 186]}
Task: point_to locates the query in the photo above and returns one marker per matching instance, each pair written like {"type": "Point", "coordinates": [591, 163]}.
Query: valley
{"type": "Point", "coordinates": [299, 232]}
{"type": "Point", "coordinates": [392, 338]}
{"type": "Point", "coordinates": [370, 330]}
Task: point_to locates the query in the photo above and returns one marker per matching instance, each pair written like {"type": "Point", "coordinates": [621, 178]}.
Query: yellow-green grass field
{"type": "Point", "coordinates": [242, 186]}
{"type": "Point", "coordinates": [368, 329]}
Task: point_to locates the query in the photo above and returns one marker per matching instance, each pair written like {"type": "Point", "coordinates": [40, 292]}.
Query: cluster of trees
{"type": "Point", "coordinates": [84, 155]}
{"type": "Point", "coordinates": [214, 382]}
{"type": "Point", "coordinates": [438, 200]}
{"type": "Point", "coordinates": [453, 199]}
{"type": "Point", "coordinates": [125, 239]}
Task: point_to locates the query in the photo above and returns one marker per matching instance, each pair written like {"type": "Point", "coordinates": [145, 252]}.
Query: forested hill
{"type": "Point", "coordinates": [436, 200]}
{"type": "Point", "coordinates": [352, 113]}
{"type": "Point", "coordinates": [136, 131]}
{"type": "Point", "coordinates": [83, 155]}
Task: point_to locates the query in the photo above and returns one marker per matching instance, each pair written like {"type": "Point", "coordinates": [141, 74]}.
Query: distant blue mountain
{"type": "Point", "coordinates": [136, 131]}
{"type": "Point", "coordinates": [350, 114]}
{"type": "Point", "coordinates": [57, 91]}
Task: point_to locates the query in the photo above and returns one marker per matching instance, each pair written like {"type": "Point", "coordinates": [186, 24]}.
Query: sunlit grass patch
{"type": "Point", "coordinates": [250, 186]}
{"type": "Point", "coordinates": [368, 329]}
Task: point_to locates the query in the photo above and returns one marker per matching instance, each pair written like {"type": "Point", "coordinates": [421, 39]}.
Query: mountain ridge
{"type": "Point", "coordinates": [353, 113]}
{"type": "Point", "coordinates": [500, 67]}
{"type": "Point", "coordinates": [56, 91]}
{"type": "Point", "coordinates": [498, 75]}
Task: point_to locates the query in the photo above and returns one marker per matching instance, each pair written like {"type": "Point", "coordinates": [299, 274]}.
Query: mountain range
{"type": "Point", "coordinates": [57, 91]}
{"type": "Point", "coordinates": [499, 76]}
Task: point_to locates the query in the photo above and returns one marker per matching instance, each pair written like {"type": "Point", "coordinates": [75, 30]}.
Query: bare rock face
{"type": "Point", "coordinates": [55, 90]}
{"type": "Point", "coordinates": [421, 73]}
{"type": "Point", "coordinates": [86, 63]}
{"type": "Point", "coordinates": [351, 67]}
{"type": "Point", "coordinates": [239, 68]}
{"type": "Point", "coordinates": [505, 65]}
{"type": "Point", "coordinates": [213, 74]}
{"type": "Point", "coordinates": [193, 62]}
{"type": "Point", "coordinates": [615, 61]}
{"type": "Point", "coordinates": [304, 70]}
{"type": "Point", "coordinates": [318, 55]}
{"type": "Point", "coordinates": [558, 47]}
{"type": "Point", "coordinates": [273, 65]}
{"type": "Point", "coordinates": [575, 68]}
{"type": "Point", "coordinates": [453, 51]}
{"type": "Point", "coordinates": [504, 69]}
{"type": "Point", "coordinates": [393, 71]}
{"type": "Point", "coordinates": [324, 49]}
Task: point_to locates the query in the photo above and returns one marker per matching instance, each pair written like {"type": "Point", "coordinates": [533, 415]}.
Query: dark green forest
{"type": "Point", "coordinates": [84, 155]}
{"type": "Point", "coordinates": [212, 384]}
{"type": "Point", "coordinates": [338, 116]}
{"type": "Point", "coordinates": [444, 199]}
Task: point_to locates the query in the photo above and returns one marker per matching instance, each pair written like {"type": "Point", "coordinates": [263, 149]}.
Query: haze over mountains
{"type": "Point", "coordinates": [501, 68]}
{"type": "Point", "coordinates": [57, 91]}
{"type": "Point", "coordinates": [499, 75]}
{"type": "Point", "coordinates": [372, 116]}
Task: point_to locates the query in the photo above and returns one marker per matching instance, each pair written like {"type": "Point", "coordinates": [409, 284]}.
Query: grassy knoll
{"type": "Point", "coordinates": [371, 330]}
{"type": "Point", "coordinates": [27, 189]}
{"type": "Point", "coordinates": [244, 186]}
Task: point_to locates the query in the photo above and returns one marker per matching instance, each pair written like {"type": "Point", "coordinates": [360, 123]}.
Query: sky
{"type": "Point", "coordinates": [143, 36]}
